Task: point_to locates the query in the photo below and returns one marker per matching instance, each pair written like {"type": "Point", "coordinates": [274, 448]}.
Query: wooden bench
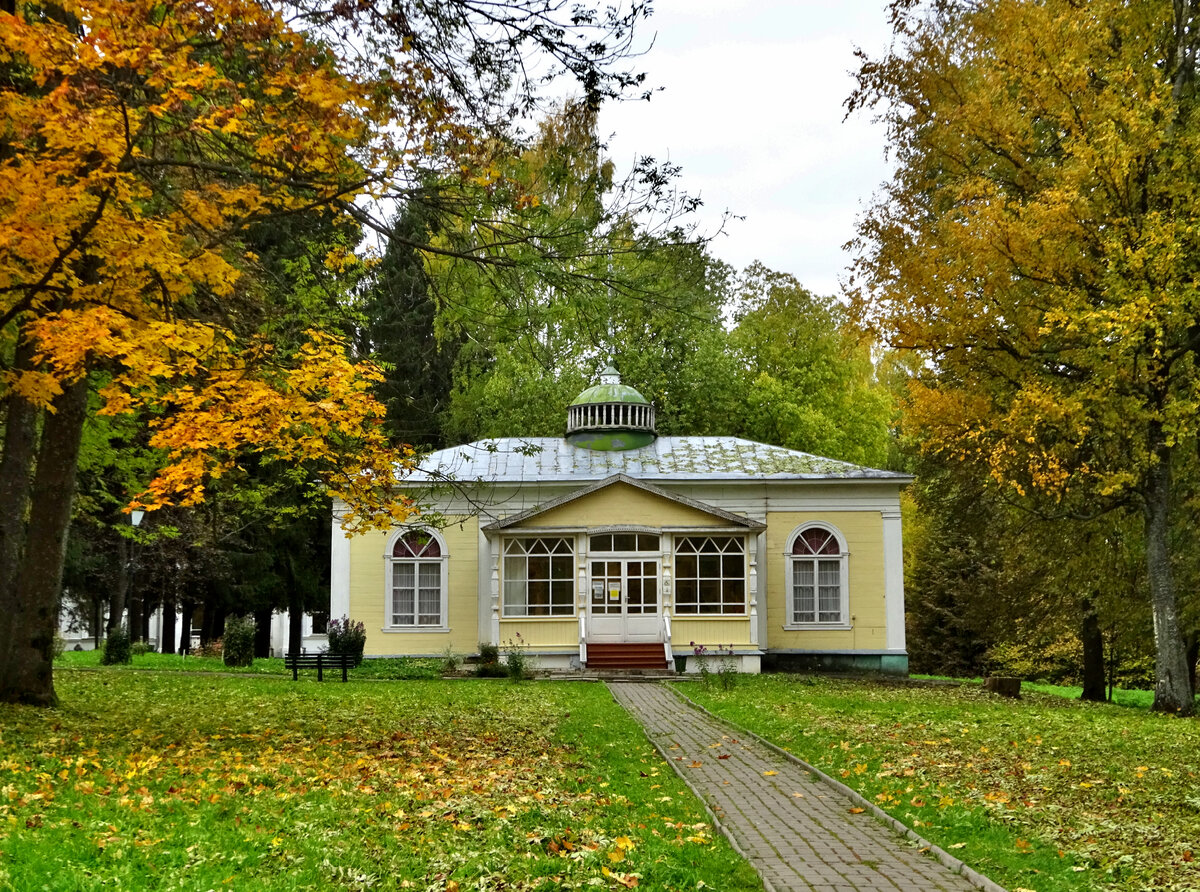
{"type": "Point", "coordinates": [318, 661]}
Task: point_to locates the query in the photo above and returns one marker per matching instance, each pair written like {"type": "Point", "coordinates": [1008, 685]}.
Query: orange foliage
{"type": "Point", "coordinates": [139, 139]}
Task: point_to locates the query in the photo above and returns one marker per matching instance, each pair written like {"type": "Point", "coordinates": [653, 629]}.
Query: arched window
{"type": "Point", "coordinates": [417, 581]}
{"type": "Point", "coordinates": [818, 595]}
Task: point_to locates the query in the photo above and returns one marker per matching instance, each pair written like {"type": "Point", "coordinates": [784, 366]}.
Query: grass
{"type": "Point", "coordinates": [169, 780]}
{"type": "Point", "coordinates": [399, 668]}
{"type": "Point", "coordinates": [1042, 793]}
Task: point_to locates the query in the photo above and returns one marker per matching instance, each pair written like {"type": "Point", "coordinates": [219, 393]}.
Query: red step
{"type": "Point", "coordinates": [627, 656]}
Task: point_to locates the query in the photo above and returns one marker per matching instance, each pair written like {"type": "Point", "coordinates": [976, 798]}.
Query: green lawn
{"type": "Point", "coordinates": [169, 780]}
{"type": "Point", "coordinates": [399, 668]}
{"type": "Point", "coordinates": [1044, 793]}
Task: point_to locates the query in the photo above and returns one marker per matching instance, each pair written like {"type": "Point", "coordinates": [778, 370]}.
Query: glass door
{"type": "Point", "coordinates": [624, 602]}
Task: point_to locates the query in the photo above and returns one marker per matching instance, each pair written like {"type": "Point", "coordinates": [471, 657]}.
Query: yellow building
{"type": "Point", "coordinates": [615, 548]}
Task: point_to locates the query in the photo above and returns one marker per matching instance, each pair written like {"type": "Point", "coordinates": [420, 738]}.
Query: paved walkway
{"type": "Point", "coordinates": [797, 831]}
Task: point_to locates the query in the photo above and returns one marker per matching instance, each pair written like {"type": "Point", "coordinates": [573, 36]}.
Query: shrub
{"type": "Point", "coordinates": [57, 646]}
{"type": "Point", "coordinates": [489, 662]}
{"type": "Point", "coordinates": [117, 649]}
{"type": "Point", "coordinates": [140, 647]}
{"type": "Point", "coordinates": [212, 649]}
{"type": "Point", "coordinates": [516, 661]}
{"type": "Point", "coordinates": [450, 661]}
{"type": "Point", "coordinates": [239, 641]}
{"type": "Point", "coordinates": [347, 636]}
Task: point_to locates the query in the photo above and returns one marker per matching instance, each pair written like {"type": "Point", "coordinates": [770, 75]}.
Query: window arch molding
{"type": "Point", "coordinates": [818, 589]}
{"type": "Point", "coordinates": [415, 581]}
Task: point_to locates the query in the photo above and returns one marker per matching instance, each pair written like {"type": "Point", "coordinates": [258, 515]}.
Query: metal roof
{"type": "Point", "coordinates": [552, 459]}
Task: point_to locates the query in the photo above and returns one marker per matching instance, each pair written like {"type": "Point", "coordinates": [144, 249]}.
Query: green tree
{"type": "Point", "coordinates": [1037, 246]}
{"type": "Point", "coordinates": [811, 384]}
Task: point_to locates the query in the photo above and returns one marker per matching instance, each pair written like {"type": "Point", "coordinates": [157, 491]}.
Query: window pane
{"type": "Point", "coordinates": [733, 566]}
{"type": "Point", "coordinates": [647, 542]}
{"type": "Point", "coordinates": [686, 566]}
{"type": "Point", "coordinates": [562, 567]}
{"type": "Point", "coordinates": [710, 566]}
{"type": "Point", "coordinates": [600, 543]}
{"type": "Point", "coordinates": [625, 542]}
{"type": "Point", "coordinates": [803, 592]}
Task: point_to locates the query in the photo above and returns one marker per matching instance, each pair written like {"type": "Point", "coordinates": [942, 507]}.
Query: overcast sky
{"type": "Point", "coordinates": [751, 107]}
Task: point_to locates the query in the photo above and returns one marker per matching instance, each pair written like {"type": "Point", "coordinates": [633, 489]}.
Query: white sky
{"type": "Point", "coordinates": [752, 109]}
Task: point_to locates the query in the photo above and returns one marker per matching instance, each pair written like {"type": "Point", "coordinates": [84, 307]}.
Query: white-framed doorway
{"type": "Point", "coordinates": [624, 598]}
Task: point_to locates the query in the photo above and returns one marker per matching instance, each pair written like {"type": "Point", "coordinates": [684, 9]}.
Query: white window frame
{"type": "Point", "coordinates": [791, 562]}
{"type": "Point", "coordinates": [442, 563]}
{"type": "Point", "coordinates": [684, 611]}
{"type": "Point", "coordinates": [507, 579]}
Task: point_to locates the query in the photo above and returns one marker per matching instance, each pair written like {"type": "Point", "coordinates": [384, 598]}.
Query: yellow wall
{"type": "Point", "coordinates": [863, 532]}
{"type": "Point", "coordinates": [709, 632]}
{"type": "Point", "coordinates": [541, 633]}
{"type": "Point", "coordinates": [368, 592]}
{"type": "Point", "coordinates": [621, 503]}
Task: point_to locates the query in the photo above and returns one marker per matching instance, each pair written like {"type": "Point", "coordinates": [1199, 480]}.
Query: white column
{"type": "Point", "coordinates": [494, 637]}
{"type": "Point", "coordinates": [752, 586]}
{"type": "Point", "coordinates": [339, 566]}
{"type": "Point", "coordinates": [893, 578]}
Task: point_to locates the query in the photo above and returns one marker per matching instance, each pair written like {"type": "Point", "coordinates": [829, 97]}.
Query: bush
{"type": "Point", "coordinates": [141, 647]}
{"type": "Point", "coordinates": [516, 661]}
{"type": "Point", "coordinates": [57, 646]}
{"type": "Point", "coordinates": [489, 662]}
{"type": "Point", "coordinates": [239, 641]}
{"type": "Point", "coordinates": [212, 649]}
{"type": "Point", "coordinates": [117, 650]}
{"type": "Point", "coordinates": [346, 636]}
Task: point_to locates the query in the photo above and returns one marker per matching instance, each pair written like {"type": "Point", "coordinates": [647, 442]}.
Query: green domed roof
{"type": "Point", "coordinates": [609, 390]}
{"type": "Point", "coordinates": [610, 416]}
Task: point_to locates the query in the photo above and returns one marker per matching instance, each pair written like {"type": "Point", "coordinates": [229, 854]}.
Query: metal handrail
{"type": "Point", "coordinates": [666, 615]}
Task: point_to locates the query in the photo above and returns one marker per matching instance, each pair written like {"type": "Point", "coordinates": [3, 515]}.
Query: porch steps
{"type": "Point", "coordinates": [626, 656]}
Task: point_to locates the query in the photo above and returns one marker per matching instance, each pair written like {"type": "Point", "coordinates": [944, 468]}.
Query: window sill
{"type": "Point", "coordinates": [727, 616]}
{"type": "Point", "coordinates": [817, 627]}
{"type": "Point", "coordinates": [408, 630]}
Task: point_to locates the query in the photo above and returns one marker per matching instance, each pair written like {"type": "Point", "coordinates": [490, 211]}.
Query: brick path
{"type": "Point", "coordinates": [796, 830]}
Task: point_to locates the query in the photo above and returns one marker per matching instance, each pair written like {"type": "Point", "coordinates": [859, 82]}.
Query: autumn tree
{"type": "Point", "coordinates": [139, 141]}
{"type": "Point", "coordinates": [1037, 246]}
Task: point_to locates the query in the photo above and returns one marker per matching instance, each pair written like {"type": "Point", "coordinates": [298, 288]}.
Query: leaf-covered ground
{"type": "Point", "coordinates": [172, 781]}
{"type": "Point", "coordinates": [1043, 793]}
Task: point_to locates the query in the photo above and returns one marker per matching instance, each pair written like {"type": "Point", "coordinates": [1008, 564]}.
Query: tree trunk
{"type": "Point", "coordinates": [116, 600]}
{"type": "Point", "coordinates": [262, 632]}
{"type": "Point", "coordinates": [1092, 639]}
{"type": "Point", "coordinates": [135, 604]}
{"type": "Point", "coordinates": [16, 478]}
{"type": "Point", "coordinates": [26, 675]}
{"type": "Point", "coordinates": [167, 644]}
{"type": "Point", "coordinates": [185, 626]}
{"type": "Point", "coordinates": [1172, 688]}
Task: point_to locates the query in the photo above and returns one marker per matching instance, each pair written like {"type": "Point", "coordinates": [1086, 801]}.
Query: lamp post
{"type": "Point", "coordinates": [135, 615]}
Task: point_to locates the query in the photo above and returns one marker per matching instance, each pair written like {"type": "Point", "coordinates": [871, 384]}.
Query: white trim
{"type": "Point", "coordinates": [790, 560]}
{"type": "Point", "coordinates": [443, 561]}
{"type": "Point", "coordinates": [893, 578]}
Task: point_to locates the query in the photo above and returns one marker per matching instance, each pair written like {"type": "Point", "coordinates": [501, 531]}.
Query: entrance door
{"type": "Point", "coordinates": [624, 603]}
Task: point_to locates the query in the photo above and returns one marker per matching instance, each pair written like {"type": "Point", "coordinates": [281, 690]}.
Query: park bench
{"type": "Point", "coordinates": [318, 661]}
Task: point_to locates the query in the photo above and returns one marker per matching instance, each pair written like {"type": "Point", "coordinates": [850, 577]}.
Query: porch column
{"type": "Point", "coordinates": [893, 579]}
{"type": "Point", "coordinates": [752, 586]}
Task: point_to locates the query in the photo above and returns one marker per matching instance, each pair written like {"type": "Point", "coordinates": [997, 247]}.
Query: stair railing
{"type": "Point", "coordinates": [666, 621]}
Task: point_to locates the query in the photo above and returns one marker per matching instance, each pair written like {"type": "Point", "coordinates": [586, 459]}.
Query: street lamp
{"type": "Point", "coordinates": [135, 520]}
